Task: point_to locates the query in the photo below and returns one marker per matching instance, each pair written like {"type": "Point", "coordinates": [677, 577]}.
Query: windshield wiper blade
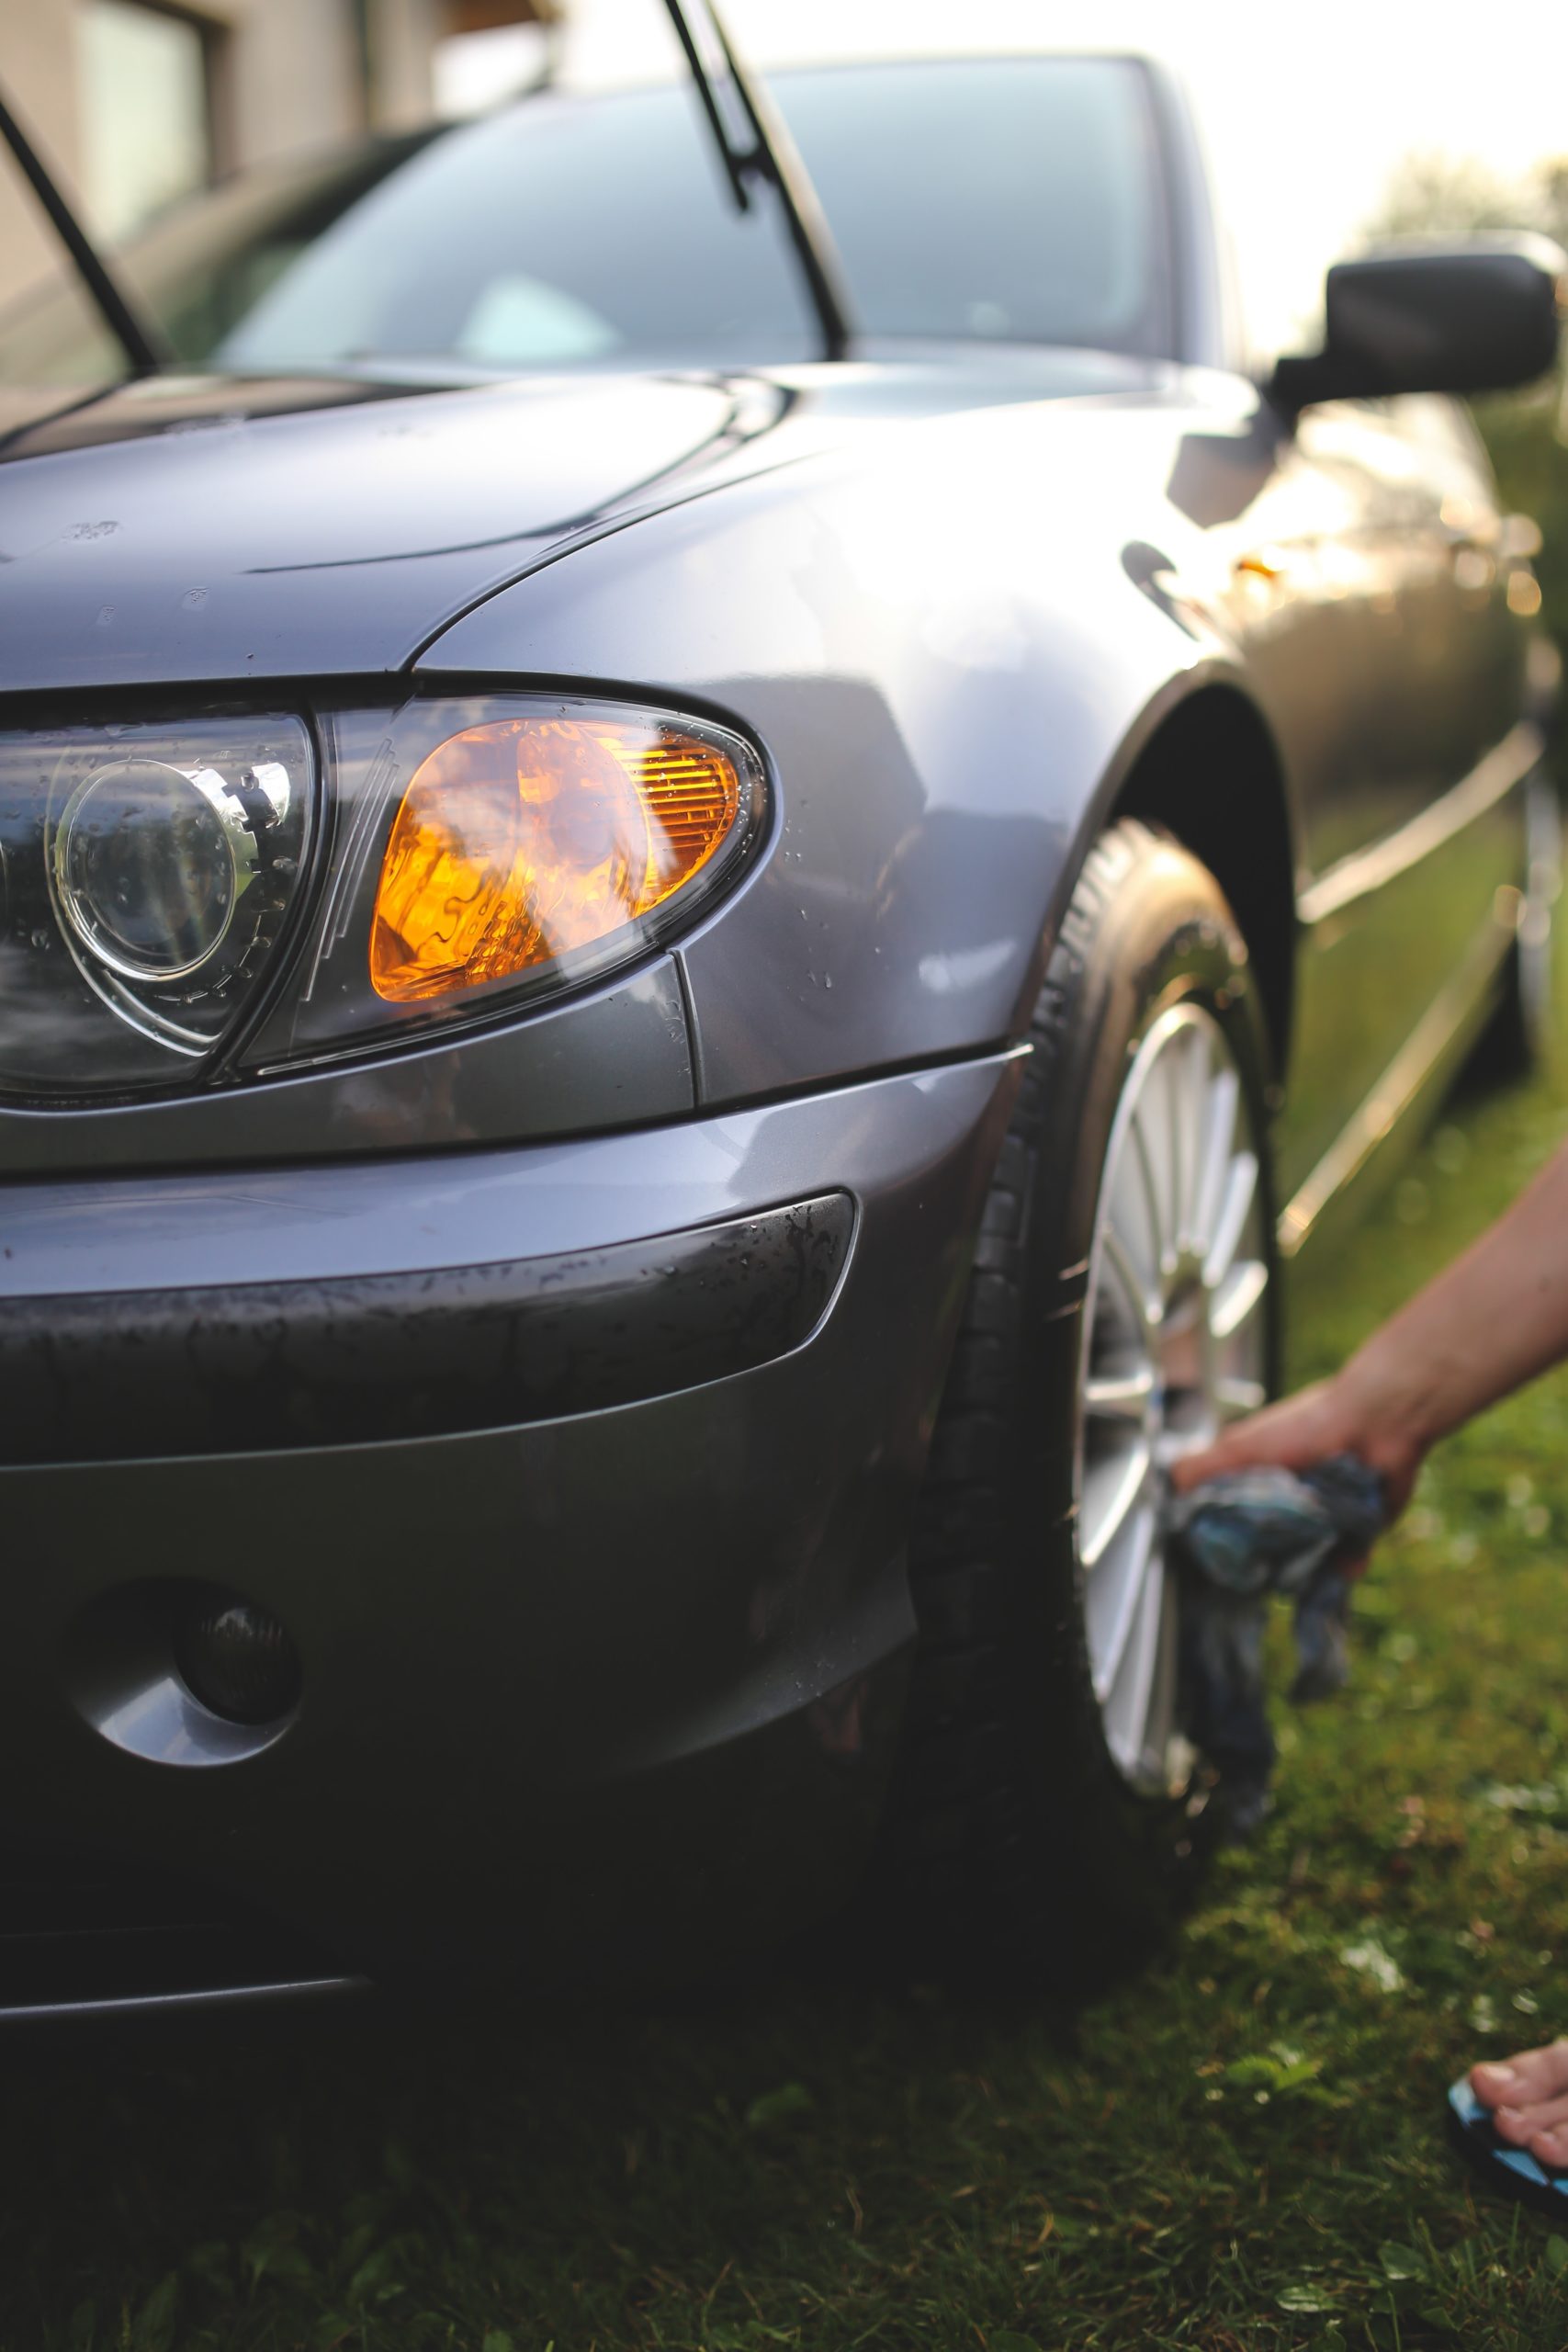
{"type": "Point", "coordinates": [141, 342]}
{"type": "Point", "coordinates": [766, 152]}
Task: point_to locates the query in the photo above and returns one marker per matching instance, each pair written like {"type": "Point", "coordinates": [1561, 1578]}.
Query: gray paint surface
{"type": "Point", "coordinates": [617, 1058]}
{"type": "Point", "coordinates": [950, 596]}
{"type": "Point", "coordinates": [629, 1677]}
{"type": "Point", "coordinates": [406, 1213]}
{"type": "Point", "coordinates": [939, 685]}
{"type": "Point", "coordinates": [216, 544]}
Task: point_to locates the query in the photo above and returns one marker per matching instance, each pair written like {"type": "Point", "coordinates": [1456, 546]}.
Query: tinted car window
{"type": "Point", "coordinates": [565, 232]}
{"type": "Point", "coordinates": [1012, 199]}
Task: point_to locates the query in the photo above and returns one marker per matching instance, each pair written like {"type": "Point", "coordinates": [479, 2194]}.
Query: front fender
{"type": "Point", "coordinates": [945, 656]}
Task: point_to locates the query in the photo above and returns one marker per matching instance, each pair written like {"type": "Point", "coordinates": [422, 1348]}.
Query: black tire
{"type": "Point", "coordinates": [1015, 1848]}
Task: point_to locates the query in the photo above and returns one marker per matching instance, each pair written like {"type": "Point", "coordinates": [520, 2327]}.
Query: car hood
{"type": "Point", "coordinates": [211, 528]}
{"type": "Point", "coordinates": [188, 529]}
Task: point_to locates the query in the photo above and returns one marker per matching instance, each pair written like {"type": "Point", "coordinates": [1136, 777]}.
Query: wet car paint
{"type": "Point", "coordinates": [557, 1709]}
{"type": "Point", "coordinates": [608, 1693]}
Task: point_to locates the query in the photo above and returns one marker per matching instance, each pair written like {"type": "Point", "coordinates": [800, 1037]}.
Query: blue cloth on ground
{"type": "Point", "coordinates": [1513, 2172]}
{"type": "Point", "coordinates": [1237, 1539]}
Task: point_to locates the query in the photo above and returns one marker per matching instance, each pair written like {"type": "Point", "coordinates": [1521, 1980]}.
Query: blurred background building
{"type": "Point", "coordinates": [1321, 128]}
{"type": "Point", "coordinates": [134, 105]}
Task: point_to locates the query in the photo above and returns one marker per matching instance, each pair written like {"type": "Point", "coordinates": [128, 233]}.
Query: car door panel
{"type": "Point", "coordinates": [1407, 839]}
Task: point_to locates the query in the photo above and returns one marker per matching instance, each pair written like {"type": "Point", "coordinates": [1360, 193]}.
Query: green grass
{"type": "Point", "coordinates": [1241, 2151]}
{"type": "Point", "coordinates": [1527, 438]}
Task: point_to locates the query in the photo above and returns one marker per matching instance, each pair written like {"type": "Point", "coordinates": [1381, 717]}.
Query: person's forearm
{"type": "Point", "coordinates": [1492, 1320]}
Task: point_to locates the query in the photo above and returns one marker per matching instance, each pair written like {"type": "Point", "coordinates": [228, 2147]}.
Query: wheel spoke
{"type": "Point", "coordinates": [1190, 1093]}
{"type": "Point", "coordinates": [1173, 1345]}
{"type": "Point", "coordinates": [1146, 1310]}
{"type": "Point", "coordinates": [1110, 1488]}
{"type": "Point", "coordinates": [1169, 1069]}
{"type": "Point", "coordinates": [1237, 1297]}
{"type": "Point", "coordinates": [1219, 1146]}
{"type": "Point", "coordinates": [1119, 1395]}
{"type": "Point", "coordinates": [1241, 1189]}
{"type": "Point", "coordinates": [1165, 1759]}
{"type": "Point", "coordinates": [1131, 1686]}
{"type": "Point", "coordinates": [1114, 1599]}
{"type": "Point", "coordinates": [1127, 1208]}
{"type": "Point", "coordinates": [1164, 1245]}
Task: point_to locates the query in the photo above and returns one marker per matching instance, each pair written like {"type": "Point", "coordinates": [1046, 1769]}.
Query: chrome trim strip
{"type": "Point", "coordinates": [1381, 1112]}
{"type": "Point", "coordinates": [164, 2004]}
{"type": "Point", "coordinates": [1506, 765]}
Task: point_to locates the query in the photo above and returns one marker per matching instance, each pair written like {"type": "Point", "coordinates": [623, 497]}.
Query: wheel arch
{"type": "Point", "coordinates": [1210, 772]}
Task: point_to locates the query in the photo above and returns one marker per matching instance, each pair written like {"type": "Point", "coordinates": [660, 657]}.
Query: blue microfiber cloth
{"type": "Point", "coordinates": [1237, 1539]}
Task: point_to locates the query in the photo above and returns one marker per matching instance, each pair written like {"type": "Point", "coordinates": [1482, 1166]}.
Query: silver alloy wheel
{"type": "Point", "coordinates": [1175, 1343]}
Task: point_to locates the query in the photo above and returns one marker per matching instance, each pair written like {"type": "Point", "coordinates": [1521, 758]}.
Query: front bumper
{"type": "Point", "coordinates": [592, 1552]}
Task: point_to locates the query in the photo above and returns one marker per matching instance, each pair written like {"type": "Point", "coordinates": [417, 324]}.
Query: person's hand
{"type": "Point", "coordinates": [1333, 1417]}
{"type": "Point", "coordinates": [1491, 1321]}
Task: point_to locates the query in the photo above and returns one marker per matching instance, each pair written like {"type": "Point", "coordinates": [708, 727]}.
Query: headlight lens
{"type": "Point", "coordinates": [503, 848]}
{"type": "Point", "coordinates": [150, 874]}
{"type": "Point", "coordinates": [150, 861]}
{"type": "Point", "coordinates": [476, 852]}
{"type": "Point", "coordinates": [528, 840]}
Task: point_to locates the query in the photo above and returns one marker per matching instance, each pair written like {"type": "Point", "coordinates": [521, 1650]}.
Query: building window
{"type": "Point", "coordinates": [492, 50]}
{"type": "Point", "coordinates": [146, 114]}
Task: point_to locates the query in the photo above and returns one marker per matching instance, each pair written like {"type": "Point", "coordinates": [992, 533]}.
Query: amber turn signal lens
{"type": "Point", "coordinates": [523, 841]}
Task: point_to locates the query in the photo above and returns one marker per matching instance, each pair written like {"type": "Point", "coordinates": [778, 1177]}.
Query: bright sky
{"type": "Point", "coordinates": [1308, 108]}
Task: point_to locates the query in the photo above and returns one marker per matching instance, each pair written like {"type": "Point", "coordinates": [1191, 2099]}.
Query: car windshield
{"type": "Point", "coordinates": [1005, 199]}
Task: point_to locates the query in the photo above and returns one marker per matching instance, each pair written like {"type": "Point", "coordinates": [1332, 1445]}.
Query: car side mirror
{"type": "Point", "coordinates": [1481, 315]}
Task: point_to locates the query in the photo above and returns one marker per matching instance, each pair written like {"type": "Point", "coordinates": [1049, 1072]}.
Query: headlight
{"type": "Point", "coordinates": [503, 849]}
{"type": "Point", "coordinates": [150, 873]}
{"type": "Point", "coordinates": [151, 862]}
{"type": "Point", "coordinates": [476, 852]}
{"type": "Point", "coordinates": [525, 841]}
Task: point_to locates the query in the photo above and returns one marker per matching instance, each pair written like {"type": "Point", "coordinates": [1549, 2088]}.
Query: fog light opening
{"type": "Point", "coordinates": [237, 1660]}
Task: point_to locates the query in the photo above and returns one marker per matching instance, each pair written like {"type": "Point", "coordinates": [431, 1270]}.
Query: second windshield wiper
{"type": "Point", "coordinates": [761, 148]}
{"type": "Point", "coordinates": [753, 145]}
{"type": "Point", "coordinates": [136, 337]}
